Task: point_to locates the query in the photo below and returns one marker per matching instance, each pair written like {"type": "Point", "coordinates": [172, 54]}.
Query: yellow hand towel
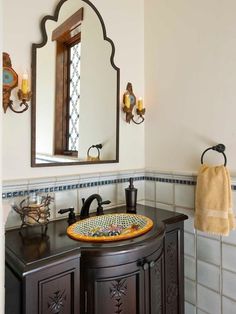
{"type": "Point", "coordinates": [213, 201]}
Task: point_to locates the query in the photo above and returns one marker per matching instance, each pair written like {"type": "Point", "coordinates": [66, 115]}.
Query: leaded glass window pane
{"type": "Point", "coordinates": [73, 143]}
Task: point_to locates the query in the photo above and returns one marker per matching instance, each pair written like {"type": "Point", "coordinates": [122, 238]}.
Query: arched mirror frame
{"type": "Point", "coordinates": [34, 84]}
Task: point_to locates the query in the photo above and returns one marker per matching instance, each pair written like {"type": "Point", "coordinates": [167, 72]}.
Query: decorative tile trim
{"type": "Point", "coordinates": [170, 180]}
{"type": "Point", "coordinates": [15, 190]}
{"type": "Point", "coordinates": [64, 187]}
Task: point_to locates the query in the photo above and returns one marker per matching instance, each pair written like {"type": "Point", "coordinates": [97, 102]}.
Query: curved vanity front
{"type": "Point", "coordinates": [52, 273]}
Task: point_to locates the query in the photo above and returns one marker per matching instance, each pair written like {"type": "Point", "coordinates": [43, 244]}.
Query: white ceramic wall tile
{"type": "Point", "coordinates": [143, 202]}
{"type": "Point", "coordinates": [85, 193]}
{"type": "Point", "coordinates": [121, 193]}
{"type": "Point", "coordinates": [200, 312]}
{"type": "Point", "coordinates": [184, 195]}
{"type": "Point", "coordinates": [150, 190]}
{"type": "Point", "coordinates": [165, 206]}
{"type": "Point", "coordinates": [66, 199]}
{"type": "Point", "coordinates": [231, 238]}
{"type": "Point", "coordinates": [188, 224]}
{"type": "Point", "coordinates": [229, 306]}
{"type": "Point", "coordinates": [208, 235]}
{"type": "Point", "coordinates": [6, 207]}
{"type": "Point", "coordinates": [108, 192]}
{"type": "Point", "coordinates": [208, 250]}
{"type": "Point", "coordinates": [108, 176]}
{"type": "Point", "coordinates": [189, 308]}
{"type": "Point", "coordinates": [229, 284]}
{"type": "Point", "coordinates": [183, 176]}
{"type": "Point", "coordinates": [229, 257]}
{"type": "Point", "coordinates": [189, 244]}
{"type": "Point", "coordinates": [208, 300]}
{"type": "Point", "coordinates": [140, 186]}
{"type": "Point", "coordinates": [190, 291]}
{"type": "Point", "coordinates": [88, 177]}
{"type": "Point", "coordinates": [234, 200]}
{"type": "Point", "coordinates": [39, 183]}
{"type": "Point", "coordinates": [15, 185]}
{"type": "Point", "coordinates": [150, 203]}
{"type": "Point", "coordinates": [190, 267]}
{"type": "Point", "coordinates": [208, 275]}
{"type": "Point", "coordinates": [164, 192]}
{"type": "Point", "coordinates": [13, 219]}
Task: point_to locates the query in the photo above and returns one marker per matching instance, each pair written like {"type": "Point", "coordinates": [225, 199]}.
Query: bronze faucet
{"type": "Point", "coordinates": [84, 213]}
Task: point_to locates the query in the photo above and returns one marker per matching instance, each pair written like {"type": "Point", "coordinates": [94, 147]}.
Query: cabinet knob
{"type": "Point", "coordinates": [152, 264]}
{"type": "Point", "coordinates": [145, 266]}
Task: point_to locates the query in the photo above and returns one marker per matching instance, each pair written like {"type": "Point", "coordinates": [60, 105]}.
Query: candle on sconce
{"type": "Point", "coordinates": [140, 104]}
{"type": "Point", "coordinates": [25, 83]}
{"type": "Point", "coordinates": [127, 101]}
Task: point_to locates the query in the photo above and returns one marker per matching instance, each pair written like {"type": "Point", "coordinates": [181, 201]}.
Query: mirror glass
{"type": "Point", "coordinates": [75, 87]}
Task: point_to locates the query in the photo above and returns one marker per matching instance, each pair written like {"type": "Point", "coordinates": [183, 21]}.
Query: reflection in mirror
{"type": "Point", "coordinates": [75, 86]}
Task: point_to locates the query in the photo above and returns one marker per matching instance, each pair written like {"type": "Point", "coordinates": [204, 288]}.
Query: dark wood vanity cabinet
{"type": "Point", "coordinates": [144, 275]}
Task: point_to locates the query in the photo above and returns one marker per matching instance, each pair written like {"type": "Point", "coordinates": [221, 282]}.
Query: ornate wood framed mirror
{"type": "Point", "coordinates": [75, 88]}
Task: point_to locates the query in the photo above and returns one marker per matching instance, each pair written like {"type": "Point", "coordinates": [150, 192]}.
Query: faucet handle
{"type": "Point", "coordinates": [100, 208]}
{"type": "Point", "coordinates": [105, 202]}
{"type": "Point", "coordinates": [71, 217]}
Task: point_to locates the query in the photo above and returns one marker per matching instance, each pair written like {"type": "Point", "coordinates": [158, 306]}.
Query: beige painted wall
{"type": "Point", "coordinates": [190, 79]}
{"type": "Point", "coordinates": [127, 35]}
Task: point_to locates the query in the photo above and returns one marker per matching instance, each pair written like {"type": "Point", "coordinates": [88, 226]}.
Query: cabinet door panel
{"type": "Point", "coordinates": [53, 290]}
{"type": "Point", "coordinates": [55, 295]}
{"type": "Point", "coordinates": [109, 293]}
{"type": "Point", "coordinates": [117, 295]}
{"type": "Point", "coordinates": [156, 286]}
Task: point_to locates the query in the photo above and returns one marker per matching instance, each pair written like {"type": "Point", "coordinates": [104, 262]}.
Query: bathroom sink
{"type": "Point", "coordinates": [110, 227]}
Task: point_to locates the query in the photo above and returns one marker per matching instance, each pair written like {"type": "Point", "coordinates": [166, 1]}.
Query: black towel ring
{"type": "Point", "coordinates": [98, 147]}
{"type": "Point", "coordinates": [220, 148]}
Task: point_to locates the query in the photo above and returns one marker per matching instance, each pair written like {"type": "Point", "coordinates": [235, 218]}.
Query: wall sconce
{"type": "Point", "coordinates": [10, 81]}
{"type": "Point", "coordinates": [129, 101]}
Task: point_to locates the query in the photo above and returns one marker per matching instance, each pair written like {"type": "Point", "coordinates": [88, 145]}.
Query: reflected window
{"type": "Point", "coordinates": [68, 54]}
{"type": "Point", "coordinates": [74, 86]}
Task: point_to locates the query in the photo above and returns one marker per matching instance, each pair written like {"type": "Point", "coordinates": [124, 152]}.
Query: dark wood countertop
{"type": "Point", "coordinates": [33, 247]}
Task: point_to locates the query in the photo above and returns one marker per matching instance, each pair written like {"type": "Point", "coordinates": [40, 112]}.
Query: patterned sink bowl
{"type": "Point", "coordinates": [110, 227]}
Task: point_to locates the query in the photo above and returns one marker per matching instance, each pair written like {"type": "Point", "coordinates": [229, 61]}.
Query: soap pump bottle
{"type": "Point", "coordinates": [131, 196]}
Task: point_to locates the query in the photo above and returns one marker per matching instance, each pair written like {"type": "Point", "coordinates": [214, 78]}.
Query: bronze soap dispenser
{"type": "Point", "coordinates": [131, 196]}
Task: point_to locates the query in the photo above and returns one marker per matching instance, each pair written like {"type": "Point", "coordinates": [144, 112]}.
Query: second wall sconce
{"type": "Point", "coordinates": [10, 81]}
{"type": "Point", "coordinates": [129, 101]}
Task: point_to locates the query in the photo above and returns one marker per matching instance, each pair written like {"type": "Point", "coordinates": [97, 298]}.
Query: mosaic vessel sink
{"type": "Point", "coordinates": [110, 227]}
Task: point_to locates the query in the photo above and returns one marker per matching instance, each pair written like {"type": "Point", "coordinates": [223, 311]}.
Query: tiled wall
{"type": "Point", "coordinates": [210, 261]}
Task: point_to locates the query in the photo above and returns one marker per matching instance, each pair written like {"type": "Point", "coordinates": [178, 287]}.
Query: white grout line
{"type": "Point", "coordinates": [221, 277]}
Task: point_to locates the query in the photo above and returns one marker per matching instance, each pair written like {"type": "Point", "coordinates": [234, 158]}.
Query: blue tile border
{"type": "Point", "coordinates": [170, 180]}
{"type": "Point", "coordinates": [58, 188]}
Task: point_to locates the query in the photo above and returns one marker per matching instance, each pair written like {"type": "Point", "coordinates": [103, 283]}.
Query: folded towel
{"type": "Point", "coordinates": [213, 201]}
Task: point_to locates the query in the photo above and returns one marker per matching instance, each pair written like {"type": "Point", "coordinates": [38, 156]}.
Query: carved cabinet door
{"type": "Point", "coordinates": [131, 288]}
{"type": "Point", "coordinates": [112, 290]}
{"type": "Point", "coordinates": [54, 289]}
